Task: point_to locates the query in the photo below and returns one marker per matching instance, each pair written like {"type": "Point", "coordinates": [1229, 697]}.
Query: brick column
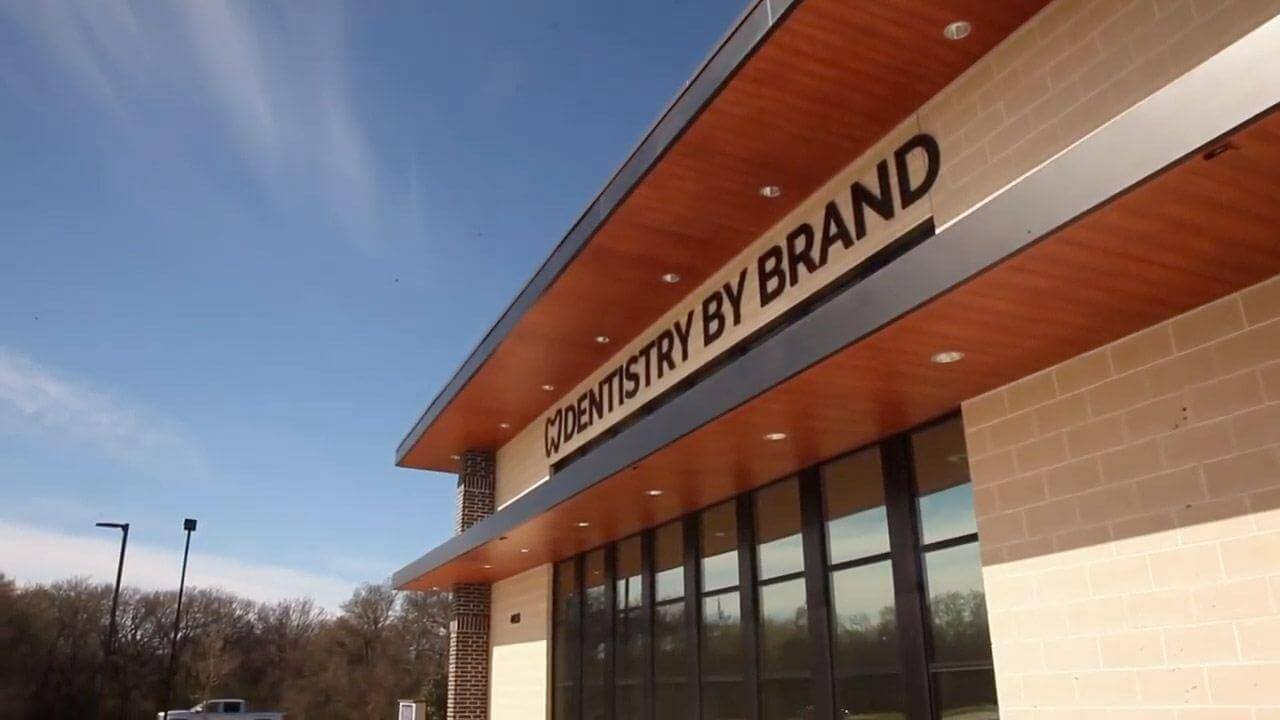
{"type": "Point", "coordinates": [469, 606]}
{"type": "Point", "coordinates": [475, 490]}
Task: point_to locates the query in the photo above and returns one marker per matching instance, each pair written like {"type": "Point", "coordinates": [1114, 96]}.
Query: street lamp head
{"type": "Point", "coordinates": [189, 524]}
{"type": "Point", "coordinates": [118, 526]}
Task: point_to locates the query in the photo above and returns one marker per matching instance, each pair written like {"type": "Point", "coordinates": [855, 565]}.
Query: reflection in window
{"type": "Point", "coordinates": [960, 643]}
{"type": "Point", "coordinates": [723, 680]}
{"type": "Point", "coordinates": [853, 499]}
{"type": "Point", "coordinates": [864, 622]}
{"type": "Point", "coordinates": [668, 561]}
{"type": "Point", "coordinates": [595, 633]}
{"type": "Point", "coordinates": [786, 689]}
{"type": "Point", "coordinates": [957, 605]}
{"type": "Point", "coordinates": [785, 685]}
{"type": "Point", "coordinates": [671, 695]}
{"type": "Point", "coordinates": [718, 534]}
{"type": "Point", "coordinates": [942, 482]}
{"type": "Point", "coordinates": [629, 632]}
{"type": "Point", "coordinates": [564, 691]}
{"type": "Point", "coordinates": [965, 694]}
{"type": "Point", "coordinates": [601, 613]}
{"type": "Point", "coordinates": [723, 686]}
{"type": "Point", "coordinates": [779, 548]}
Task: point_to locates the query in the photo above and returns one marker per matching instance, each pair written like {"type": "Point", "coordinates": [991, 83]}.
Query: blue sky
{"type": "Point", "coordinates": [242, 245]}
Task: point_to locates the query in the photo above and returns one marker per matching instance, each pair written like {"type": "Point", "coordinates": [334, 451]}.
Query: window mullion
{"type": "Point", "coordinates": [611, 605]}
{"type": "Point", "coordinates": [817, 592]}
{"type": "Point", "coordinates": [908, 578]}
{"type": "Point", "coordinates": [579, 647]}
{"type": "Point", "coordinates": [646, 623]}
{"type": "Point", "coordinates": [749, 605]}
{"type": "Point", "coordinates": [692, 617]}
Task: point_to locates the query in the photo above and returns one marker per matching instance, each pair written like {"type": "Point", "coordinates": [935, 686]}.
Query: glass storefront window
{"type": "Point", "coordinates": [965, 694]}
{"type": "Point", "coordinates": [864, 621]}
{"type": "Point", "coordinates": [785, 663]}
{"type": "Point", "coordinates": [670, 695]}
{"type": "Point", "coordinates": [942, 482]}
{"type": "Point", "coordinates": [595, 634]}
{"type": "Point", "coordinates": [564, 691]}
{"type": "Point", "coordinates": [630, 637]}
{"type": "Point", "coordinates": [897, 520]}
{"type": "Point", "coordinates": [960, 644]}
{"type": "Point", "coordinates": [718, 533]}
{"type": "Point", "coordinates": [866, 627]}
{"type": "Point", "coordinates": [723, 671]}
{"type": "Point", "coordinates": [957, 605]}
{"type": "Point", "coordinates": [853, 502]}
{"type": "Point", "coordinates": [668, 562]}
{"type": "Point", "coordinates": [723, 681]}
{"type": "Point", "coordinates": [779, 549]}
{"type": "Point", "coordinates": [786, 685]}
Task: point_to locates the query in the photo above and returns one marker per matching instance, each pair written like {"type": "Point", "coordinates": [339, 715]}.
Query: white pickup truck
{"type": "Point", "coordinates": [225, 709]}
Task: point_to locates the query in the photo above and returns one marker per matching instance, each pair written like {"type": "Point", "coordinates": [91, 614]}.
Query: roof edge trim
{"type": "Point", "coordinates": [742, 40]}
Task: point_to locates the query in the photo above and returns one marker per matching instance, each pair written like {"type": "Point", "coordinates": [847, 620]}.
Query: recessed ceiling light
{"type": "Point", "coordinates": [455, 457]}
{"type": "Point", "coordinates": [653, 493]}
{"type": "Point", "coordinates": [584, 523]}
{"type": "Point", "coordinates": [770, 191]}
{"type": "Point", "coordinates": [548, 387]}
{"type": "Point", "coordinates": [775, 436]}
{"type": "Point", "coordinates": [719, 533]}
{"type": "Point", "coordinates": [1218, 150]}
{"type": "Point", "coordinates": [947, 356]}
{"type": "Point", "coordinates": [524, 550]}
{"type": "Point", "coordinates": [488, 567]}
{"type": "Point", "coordinates": [957, 30]}
{"type": "Point", "coordinates": [504, 426]}
{"type": "Point", "coordinates": [671, 278]}
{"type": "Point", "coordinates": [602, 339]}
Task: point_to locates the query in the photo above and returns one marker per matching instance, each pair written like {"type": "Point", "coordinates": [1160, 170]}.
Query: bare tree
{"type": "Point", "coordinates": [289, 655]}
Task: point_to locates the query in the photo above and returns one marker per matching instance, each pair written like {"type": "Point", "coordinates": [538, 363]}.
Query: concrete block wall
{"type": "Point", "coordinates": [520, 646]}
{"type": "Point", "coordinates": [1128, 507]}
{"type": "Point", "coordinates": [1070, 69]}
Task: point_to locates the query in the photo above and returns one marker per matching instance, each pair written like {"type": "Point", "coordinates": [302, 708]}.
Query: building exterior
{"type": "Point", "coordinates": [922, 361]}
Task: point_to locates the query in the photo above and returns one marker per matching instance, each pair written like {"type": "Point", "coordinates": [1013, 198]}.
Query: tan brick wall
{"type": "Point", "coordinates": [1128, 507]}
{"type": "Point", "coordinates": [1067, 71]}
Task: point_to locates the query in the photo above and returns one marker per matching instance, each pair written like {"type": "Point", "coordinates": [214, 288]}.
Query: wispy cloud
{"type": "Point", "coordinates": [236, 71]}
{"type": "Point", "coordinates": [36, 400]}
{"type": "Point", "coordinates": [275, 78]}
{"type": "Point", "coordinates": [32, 554]}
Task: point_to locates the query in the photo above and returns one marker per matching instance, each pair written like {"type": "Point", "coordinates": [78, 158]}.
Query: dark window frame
{"type": "Point", "coordinates": [906, 555]}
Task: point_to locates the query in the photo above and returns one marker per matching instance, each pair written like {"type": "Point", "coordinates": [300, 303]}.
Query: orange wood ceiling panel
{"type": "Point", "coordinates": [835, 77]}
{"type": "Point", "coordinates": [1200, 231]}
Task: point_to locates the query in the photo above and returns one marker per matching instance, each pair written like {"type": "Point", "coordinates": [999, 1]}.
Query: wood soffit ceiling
{"type": "Point", "coordinates": [832, 80]}
{"type": "Point", "coordinates": [1201, 230]}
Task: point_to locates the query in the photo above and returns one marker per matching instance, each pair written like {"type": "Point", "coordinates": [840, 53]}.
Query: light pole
{"type": "Point", "coordinates": [109, 654]}
{"type": "Point", "coordinates": [189, 525]}
{"type": "Point", "coordinates": [115, 596]}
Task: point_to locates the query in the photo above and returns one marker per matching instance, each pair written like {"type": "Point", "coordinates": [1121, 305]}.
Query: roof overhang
{"type": "Point", "coordinates": [793, 93]}
{"type": "Point", "coordinates": [1127, 227]}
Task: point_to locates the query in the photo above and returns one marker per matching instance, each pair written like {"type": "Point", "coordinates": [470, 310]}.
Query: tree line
{"type": "Point", "coordinates": [288, 655]}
